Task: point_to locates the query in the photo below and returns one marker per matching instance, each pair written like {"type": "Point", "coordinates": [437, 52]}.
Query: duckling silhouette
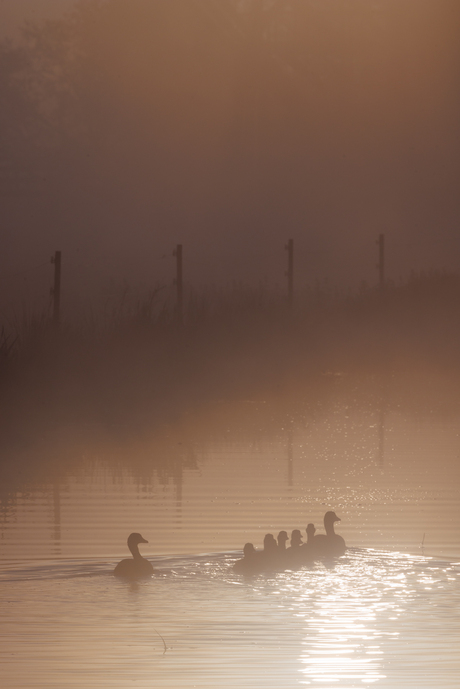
{"type": "Point", "coordinates": [270, 544]}
{"type": "Point", "coordinates": [329, 544]}
{"type": "Point", "coordinates": [296, 539]}
{"type": "Point", "coordinates": [268, 557]}
{"type": "Point", "coordinates": [308, 548]}
{"type": "Point", "coordinates": [282, 538]}
{"type": "Point", "coordinates": [294, 554]}
{"type": "Point", "coordinates": [310, 531]}
{"type": "Point", "coordinates": [248, 564]}
{"type": "Point", "coordinates": [137, 566]}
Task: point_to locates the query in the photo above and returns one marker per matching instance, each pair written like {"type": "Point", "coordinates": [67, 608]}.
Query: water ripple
{"type": "Point", "coordinates": [371, 618]}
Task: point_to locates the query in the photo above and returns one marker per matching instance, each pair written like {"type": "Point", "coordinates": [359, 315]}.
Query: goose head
{"type": "Point", "coordinates": [133, 542]}
{"type": "Point", "coordinates": [329, 519]}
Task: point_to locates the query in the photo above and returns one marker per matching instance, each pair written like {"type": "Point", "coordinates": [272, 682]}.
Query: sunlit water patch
{"type": "Point", "coordinates": [372, 618]}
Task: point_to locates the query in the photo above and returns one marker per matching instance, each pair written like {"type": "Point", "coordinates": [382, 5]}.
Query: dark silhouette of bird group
{"type": "Point", "coordinates": [276, 556]}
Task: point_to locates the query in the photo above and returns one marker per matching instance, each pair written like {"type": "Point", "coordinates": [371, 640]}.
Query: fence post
{"type": "Point", "coordinates": [56, 289]}
{"type": "Point", "coordinates": [381, 263]}
{"type": "Point", "coordinates": [290, 271]}
{"type": "Point", "coordinates": [179, 285]}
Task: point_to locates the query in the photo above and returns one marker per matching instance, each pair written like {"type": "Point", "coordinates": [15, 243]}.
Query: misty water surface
{"type": "Point", "coordinates": [386, 614]}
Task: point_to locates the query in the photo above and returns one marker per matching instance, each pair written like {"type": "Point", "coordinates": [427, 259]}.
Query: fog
{"type": "Point", "coordinates": [207, 413]}
{"type": "Point", "coordinates": [229, 127]}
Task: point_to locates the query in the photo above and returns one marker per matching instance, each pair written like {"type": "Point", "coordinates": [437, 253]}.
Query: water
{"type": "Point", "coordinates": [387, 614]}
{"type": "Point", "coordinates": [376, 618]}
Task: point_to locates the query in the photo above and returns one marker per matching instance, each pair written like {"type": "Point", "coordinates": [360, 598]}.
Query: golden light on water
{"type": "Point", "coordinates": [344, 610]}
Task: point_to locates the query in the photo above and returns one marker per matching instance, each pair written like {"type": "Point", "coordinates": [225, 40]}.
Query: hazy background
{"type": "Point", "coordinates": [228, 126]}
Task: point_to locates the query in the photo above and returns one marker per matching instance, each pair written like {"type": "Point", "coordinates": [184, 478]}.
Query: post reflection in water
{"type": "Point", "coordinates": [381, 452]}
{"type": "Point", "coordinates": [382, 408]}
{"type": "Point", "coordinates": [290, 458]}
{"type": "Point", "coordinates": [220, 479]}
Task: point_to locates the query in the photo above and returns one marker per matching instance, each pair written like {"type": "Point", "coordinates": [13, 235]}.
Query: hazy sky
{"type": "Point", "coordinates": [14, 12]}
{"type": "Point", "coordinates": [348, 129]}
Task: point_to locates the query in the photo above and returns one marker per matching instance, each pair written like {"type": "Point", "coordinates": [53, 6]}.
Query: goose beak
{"type": "Point", "coordinates": [143, 541]}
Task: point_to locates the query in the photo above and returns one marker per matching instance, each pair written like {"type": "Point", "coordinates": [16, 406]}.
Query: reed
{"type": "Point", "coordinates": [132, 363]}
{"type": "Point", "coordinates": [164, 642]}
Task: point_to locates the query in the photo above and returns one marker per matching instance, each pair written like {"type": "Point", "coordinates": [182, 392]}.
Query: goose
{"type": "Point", "coordinates": [270, 544]}
{"type": "Point", "coordinates": [282, 538]}
{"type": "Point", "coordinates": [137, 566]}
{"type": "Point", "coordinates": [294, 552]}
{"type": "Point", "coordinates": [308, 548]}
{"type": "Point", "coordinates": [279, 554]}
{"type": "Point", "coordinates": [329, 544]}
{"type": "Point", "coordinates": [248, 564]}
{"type": "Point", "coordinates": [256, 561]}
{"type": "Point", "coordinates": [296, 539]}
{"type": "Point", "coordinates": [268, 557]}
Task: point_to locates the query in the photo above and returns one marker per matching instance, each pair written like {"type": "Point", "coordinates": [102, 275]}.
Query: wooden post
{"type": "Point", "coordinates": [179, 285]}
{"type": "Point", "coordinates": [381, 263]}
{"type": "Point", "coordinates": [56, 289]}
{"type": "Point", "coordinates": [290, 271]}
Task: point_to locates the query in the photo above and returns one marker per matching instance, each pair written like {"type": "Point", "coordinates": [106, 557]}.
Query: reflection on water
{"type": "Point", "coordinates": [371, 619]}
{"type": "Point", "coordinates": [349, 625]}
{"type": "Point", "coordinates": [387, 616]}
{"type": "Point", "coordinates": [234, 473]}
{"type": "Point", "coordinates": [374, 618]}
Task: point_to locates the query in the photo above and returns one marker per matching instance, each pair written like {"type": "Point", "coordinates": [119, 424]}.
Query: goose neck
{"type": "Point", "coordinates": [329, 529]}
{"type": "Point", "coordinates": [134, 548]}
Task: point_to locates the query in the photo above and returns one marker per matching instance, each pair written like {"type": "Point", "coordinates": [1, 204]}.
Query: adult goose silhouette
{"type": "Point", "coordinates": [137, 566]}
{"type": "Point", "coordinates": [329, 544]}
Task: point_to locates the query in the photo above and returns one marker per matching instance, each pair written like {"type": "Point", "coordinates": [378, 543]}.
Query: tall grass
{"type": "Point", "coordinates": [134, 366]}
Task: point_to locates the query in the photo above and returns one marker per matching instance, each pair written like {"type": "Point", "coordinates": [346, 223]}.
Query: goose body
{"type": "Point", "coordinates": [136, 567]}
{"type": "Point", "coordinates": [329, 544]}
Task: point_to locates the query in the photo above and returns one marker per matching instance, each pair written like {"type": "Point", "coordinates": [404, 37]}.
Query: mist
{"type": "Point", "coordinates": [229, 390]}
{"type": "Point", "coordinates": [229, 127]}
